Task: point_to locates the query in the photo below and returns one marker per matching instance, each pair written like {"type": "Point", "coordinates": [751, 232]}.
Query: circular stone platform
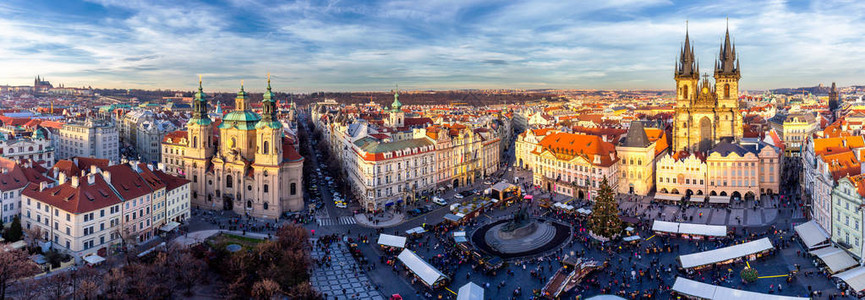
{"type": "Point", "coordinates": [536, 237]}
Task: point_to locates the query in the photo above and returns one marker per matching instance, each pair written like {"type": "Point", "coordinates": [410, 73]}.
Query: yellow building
{"type": "Point", "coordinates": [638, 154]}
{"type": "Point", "coordinates": [250, 168]}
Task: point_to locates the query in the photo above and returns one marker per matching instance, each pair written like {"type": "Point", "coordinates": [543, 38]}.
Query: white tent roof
{"type": "Point", "coordinates": [726, 253]}
{"type": "Point", "coordinates": [93, 259]}
{"type": "Point", "coordinates": [719, 199]}
{"type": "Point", "coordinates": [470, 291]}
{"type": "Point", "coordinates": [459, 233]}
{"type": "Point", "coordinates": [835, 258]}
{"type": "Point", "coordinates": [712, 292]}
{"type": "Point", "coordinates": [664, 226]}
{"type": "Point", "coordinates": [391, 240]}
{"type": "Point", "coordinates": [169, 226]}
{"type": "Point", "coordinates": [855, 278]}
{"type": "Point", "coordinates": [812, 234]}
{"type": "Point", "coordinates": [697, 198]}
{"type": "Point", "coordinates": [501, 186]}
{"type": "Point", "coordinates": [702, 229]}
{"type": "Point", "coordinates": [429, 274]}
{"type": "Point", "coordinates": [668, 197]}
{"type": "Point", "coordinates": [631, 238]}
{"type": "Point", "coordinates": [415, 230]}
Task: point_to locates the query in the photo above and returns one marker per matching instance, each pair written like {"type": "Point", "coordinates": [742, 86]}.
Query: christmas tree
{"type": "Point", "coordinates": [604, 221]}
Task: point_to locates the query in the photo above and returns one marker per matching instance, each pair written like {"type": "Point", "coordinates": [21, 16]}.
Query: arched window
{"type": "Point", "coordinates": [195, 142]}
{"type": "Point", "coordinates": [30, 148]}
{"type": "Point", "coordinates": [265, 188]}
{"type": "Point", "coordinates": [686, 93]}
{"type": "Point", "coordinates": [265, 206]}
{"type": "Point", "coordinates": [264, 149]}
{"type": "Point", "coordinates": [293, 188]}
{"type": "Point", "coordinates": [727, 91]}
{"type": "Point", "coordinates": [40, 147]}
{"type": "Point", "coordinates": [228, 182]}
{"type": "Point", "coordinates": [11, 150]}
{"type": "Point", "coordinates": [233, 143]}
{"type": "Point", "coordinates": [248, 204]}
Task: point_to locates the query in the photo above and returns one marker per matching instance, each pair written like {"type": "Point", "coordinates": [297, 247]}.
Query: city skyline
{"type": "Point", "coordinates": [336, 46]}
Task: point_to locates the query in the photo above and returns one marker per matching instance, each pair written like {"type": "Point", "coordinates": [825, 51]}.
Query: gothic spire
{"type": "Point", "coordinates": [686, 65]}
{"type": "Point", "coordinates": [727, 64]}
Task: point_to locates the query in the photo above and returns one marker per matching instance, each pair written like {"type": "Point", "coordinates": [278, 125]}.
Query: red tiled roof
{"type": "Point", "coordinates": [171, 182]}
{"type": "Point", "coordinates": [289, 153]}
{"type": "Point", "coordinates": [566, 146]}
{"type": "Point", "coordinates": [84, 163]}
{"type": "Point", "coordinates": [127, 182]}
{"type": "Point", "coordinates": [150, 178]}
{"type": "Point", "coordinates": [85, 198]}
{"type": "Point", "coordinates": [67, 167]}
{"type": "Point", "coordinates": [175, 137]}
{"type": "Point", "coordinates": [52, 124]}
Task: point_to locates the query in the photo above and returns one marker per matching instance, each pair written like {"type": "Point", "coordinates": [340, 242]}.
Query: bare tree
{"type": "Point", "coordinates": [32, 235]}
{"type": "Point", "coordinates": [114, 283]}
{"type": "Point", "coordinates": [265, 289]}
{"type": "Point", "coordinates": [189, 271]}
{"type": "Point", "coordinates": [14, 265]}
{"type": "Point", "coordinates": [56, 286]}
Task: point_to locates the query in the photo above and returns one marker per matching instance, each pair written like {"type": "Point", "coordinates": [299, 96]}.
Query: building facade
{"type": "Point", "coordinates": [574, 164]}
{"type": "Point", "coordinates": [638, 154]}
{"type": "Point", "coordinates": [847, 199]}
{"type": "Point", "coordinates": [37, 147]}
{"type": "Point", "coordinates": [251, 168]}
{"type": "Point", "coordinates": [91, 138]}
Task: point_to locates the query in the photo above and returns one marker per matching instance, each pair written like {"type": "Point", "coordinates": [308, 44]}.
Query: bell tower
{"type": "Point", "coordinates": [727, 75]}
{"type": "Point", "coordinates": [397, 116]}
{"type": "Point", "coordinates": [687, 75]}
{"type": "Point", "coordinates": [200, 128]}
{"type": "Point", "coordinates": [269, 131]}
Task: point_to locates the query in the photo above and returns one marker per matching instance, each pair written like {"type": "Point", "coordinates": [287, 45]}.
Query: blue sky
{"type": "Point", "coordinates": [428, 44]}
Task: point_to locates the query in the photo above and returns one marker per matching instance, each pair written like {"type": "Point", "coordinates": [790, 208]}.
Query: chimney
{"type": "Point", "coordinates": [94, 169]}
{"type": "Point", "coordinates": [107, 176]}
{"type": "Point", "coordinates": [75, 160]}
{"type": "Point", "coordinates": [844, 142]}
{"type": "Point", "coordinates": [91, 178]}
{"type": "Point", "coordinates": [56, 171]}
{"type": "Point", "coordinates": [61, 178]}
{"type": "Point", "coordinates": [74, 182]}
{"type": "Point", "coordinates": [150, 166]}
{"type": "Point", "coordinates": [5, 170]}
{"type": "Point", "coordinates": [43, 185]}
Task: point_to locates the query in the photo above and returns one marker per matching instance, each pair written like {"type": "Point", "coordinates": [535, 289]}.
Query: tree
{"type": "Point", "coordinates": [189, 271]}
{"type": "Point", "coordinates": [604, 221]}
{"type": "Point", "coordinates": [14, 265]}
{"type": "Point", "coordinates": [14, 233]}
{"type": "Point", "coordinates": [33, 234]}
{"type": "Point", "coordinates": [304, 291]}
{"type": "Point", "coordinates": [265, 289]}
{"type": "Point", "coordinates": [749, 274]}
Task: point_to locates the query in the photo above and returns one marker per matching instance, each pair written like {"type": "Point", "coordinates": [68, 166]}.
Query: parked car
{"type": "Point", "coordinates": [458, 196]}
{"type": "Point", "coordinates": [340, 204]}
{"type": "Point", "coordinates": [439, 201]}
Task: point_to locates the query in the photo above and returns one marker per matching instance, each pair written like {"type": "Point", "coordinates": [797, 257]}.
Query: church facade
{"type": "Point", "coordinates": [706, 113]}
{"type": "Point", "coordinates": [251, 167]}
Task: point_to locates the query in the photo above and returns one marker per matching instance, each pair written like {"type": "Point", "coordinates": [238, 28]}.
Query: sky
{"type": "Point", "coordinates": [373, 45]}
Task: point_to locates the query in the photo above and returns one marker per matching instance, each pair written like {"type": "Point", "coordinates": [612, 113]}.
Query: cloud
{"type": "Point", "coordinates": [313, 45]}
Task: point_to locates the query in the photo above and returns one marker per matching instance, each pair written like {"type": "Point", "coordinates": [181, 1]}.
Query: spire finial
{"type": "Point", "coordinates": [199, 82]}
{"type": "Point", "coordinates": [268, 81]}
{"type": "Point", "coordinates": [241, 84]}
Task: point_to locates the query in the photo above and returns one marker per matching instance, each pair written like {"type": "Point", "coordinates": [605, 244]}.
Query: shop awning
{"type": "Point", "coordinates": [812, 235]}
{"type": "Point", "coordinates": [169, 226]}
{"type": "Point", "coordinates": [724, 254]}
{"type": "Point", "coordinates": [855, 278]}
{"type": "Point", "coordinates": [719, 199]}
{"type": "Point", "coordinates": [836, 259]}
{"type": "Point", "coordinates": [470, 291]}
{"type": "Point", "coordinates": [452, 217]}
{"type": "Point", "coordinates": [697, 198]}
{"type": "Point", "coordinates": [713, 292]}
{"type": "Point", "coordinates": [460, 239]}
{"type": "Point", "coordinates": [416, 230]}
{"type": "Point", "coordinates": [668, 197]}
{"type": "Point", "coordinates": [459, 233]}
{"type": "Point", "coordinates": [391, 240]}
{"type": "Point", "coordinates": [427, 273]}
{"type": "Point", "coordinates": [94, 259]}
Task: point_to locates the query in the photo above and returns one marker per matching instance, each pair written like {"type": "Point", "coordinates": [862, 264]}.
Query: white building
{"type": "Point", "coordinates": [91, 138]}
{"type": "Point", "coordinates": [36, 147]}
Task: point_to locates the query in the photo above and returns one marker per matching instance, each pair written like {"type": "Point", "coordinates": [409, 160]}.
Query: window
{"type": "Point", "coordinates": [293, 188]}
{"type": "Point", "coordinates": [265, 206]}
{"type": "Point", "coordinates": [265, 188]}
{"type": "Point", "coordinates": [264, 149]}
{"type": "Point", "coordinates": [228, 182]}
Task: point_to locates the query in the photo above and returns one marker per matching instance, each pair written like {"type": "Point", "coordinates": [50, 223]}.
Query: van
{"type": "Point", "coordinates": [439, 201]}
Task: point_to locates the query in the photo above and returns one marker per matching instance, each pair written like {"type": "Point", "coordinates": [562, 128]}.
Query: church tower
{"type": "Point", "coordinates": [397, 116]}
{"type": "Point", "coordinates": [727, 75]}
{"type": "Point", "coordinates": [269, 131]}
{"type": "Point", "coordinates": [687, 75]}
{"type": "Point", "coordinates": [200, 128]}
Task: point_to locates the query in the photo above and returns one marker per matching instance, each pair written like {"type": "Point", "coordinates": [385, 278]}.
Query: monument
{"type": "Point", "coordinates": [520, 235]}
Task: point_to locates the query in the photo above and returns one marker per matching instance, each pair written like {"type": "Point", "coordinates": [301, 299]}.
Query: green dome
{"type": "Point", "coordinates": [243, 119]}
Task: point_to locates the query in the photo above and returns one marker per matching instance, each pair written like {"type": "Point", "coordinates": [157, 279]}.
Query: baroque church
{"type": "Point", "coordinates": [706, 114]}
{"type": "Point", "coordinates": [251, 167]}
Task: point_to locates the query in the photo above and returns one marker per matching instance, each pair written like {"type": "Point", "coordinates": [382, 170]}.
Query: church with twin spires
{"type": "Point", "coordinates": [706, 113]}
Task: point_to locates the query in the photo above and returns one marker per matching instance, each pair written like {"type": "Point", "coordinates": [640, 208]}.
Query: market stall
{"type": "Point", "coordinates": [698, 290]}
{"type": "Point", "coordinates": [855, 280]}
{"type": "Point", "coordinates": [394, 241]}
{"type": "Point", "coordinates": [750, 251]}
{"type": "Point", "coordinates": [668, 197]}
{"type": "Point", "coordinates": [812, 235]}
{"type": "Point", "coordinates": [835, 259]}
{"type": "Point", "coordinates": [689, 230]}
{"type": "Point", "coordinates": [429, 275]}
{"type": "Point", "coordinates": [470, 291]}
{"type": "Point", "coordinates": [506, 192]}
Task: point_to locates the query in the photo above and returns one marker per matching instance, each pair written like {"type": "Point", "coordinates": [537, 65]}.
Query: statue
{"type": "Point", "coordinates": [520, 219]}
